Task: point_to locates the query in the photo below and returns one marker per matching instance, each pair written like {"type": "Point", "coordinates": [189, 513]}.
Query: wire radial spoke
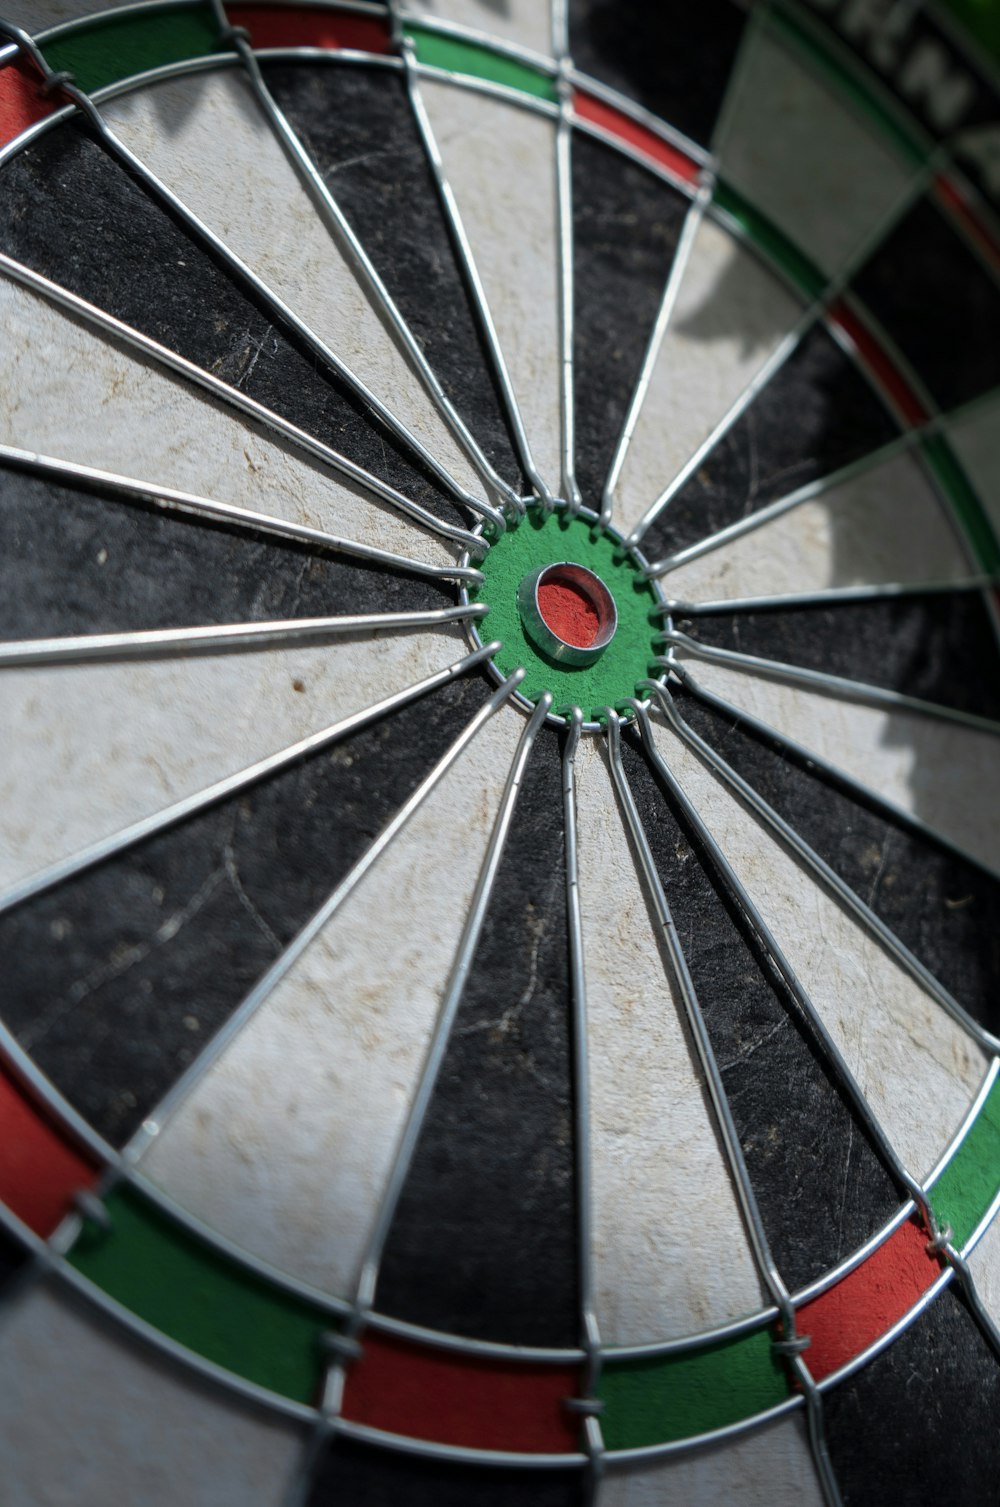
{"type": "Point", "coordinates": [115, 646]}
{"type": "Point", "coordinates": [812, 760]}
{"type": "Point", "coordinates": [880, 520]}
{"type": "Point", "coordinates": [682, 254]}
{"type": "Point", "coordinates": [158, 1120]}
{"type": "Point", "coordinates": [206, 237]}
{"type": "Point", "coordinates": [826, 876]}
{"type": "Point", "coordinates": [816, 310]}
{"type": "Point", "coordinates": [675, 276]}
{"type": "Point", "coordinates": [564, 183]}
{"type": "Point", "coordinates": [777, 359]}
{"type": "Point", "coordinates": [819, 680]}
{"type": "Point", "coordinates": [590, 1333]}
{"type": "Point", "coordinates": [836, 596]}
{"type": "Point", "coordinates": [466, 260]}
{"type": "Point", "coordinates": [346, 1348]}
{"type": "Point", "coordinates": [195, 508]}
{"type": "Point", "coordinates": [790, 1345]}
{"type": "Point", "coordinates": [940, 1242]}
{"type": "Point", "coordinates": [111, 846]}
{"type": "Point", "coordinates": [461, 967]}
{"type": "Point", "coordinates": [114, 328]}
{"type": "Point", "coordinates": [766, 514]}
{"type": "Point", "coordinates": [852, 486]}
{"type": "Point", "coordinates": [92, 648]}
{"type": "Point", "coordinates": [345, 238]}
{"type": "Point", "coordinates": [793, 987]}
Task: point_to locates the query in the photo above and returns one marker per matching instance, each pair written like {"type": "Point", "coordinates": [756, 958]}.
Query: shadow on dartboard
{"type": "Point", "coordinates": [796, 501]}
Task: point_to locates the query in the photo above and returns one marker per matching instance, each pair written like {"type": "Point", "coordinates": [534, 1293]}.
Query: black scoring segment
{"type": "Point", "coordinates": [937, 301]}
{"type": "Point", "coordinates": [117, 979]}
{"type": "Point", "coordinates": [626, 224]}
{"type": "Point", "coordinates": [71, 212]}
{"type": "Point", "coordinates": [483, 1242]}
{"type": "Point", "coordinates": [358, 126]}
{"type": "Point", "coordinates": [937, 1387]}
{"type": "Point", "coordinates": [795, 1129]}
{"type": "Point", "coordinates": [945, 909]}
{"type": "Point", "coordinates": [72, 561]}
{"type": "Point", "coordinates": [12, 1259]}
{"type": "Point", "coordinates": [934, 646]}
{"type": "Point", "coordinates": [673, 58]}
{"type": "Point", "coordinates": [354, 1475]}
{"type": "Point", "coordinates": [817, 414]}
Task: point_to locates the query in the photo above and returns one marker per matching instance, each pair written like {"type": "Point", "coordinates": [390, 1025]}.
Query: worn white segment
{"type": "Point", "coordinates": [197, 134]}
{"type": "Point", "coordinates": [984, 1263]}
{"type": "Point", "coordinates": [286, 1143]}
{"type": "Point", "coordinates": [804, 158]}
{"type": "Point", "coordinates": [39, 15]}
{"type": "Point", "coordinates": [78, 397]}
{"type": "Point", "coordinates": [976, 437]}
{"type": "Point", "coordinates": [771, 1464]}
{"type": "Point", "coordinates": [918, 1069]}
{"type": "Point", "coordinates": [946, 774]}
{"type": "Point", "coordinates": [525, 22]}
{"type": "Point", "coordinates": [88, 1415]}
{"type": "Point", "coordinates": [127, 739]}
{"type": "Point", "coordinates": [670, 1251]}
{"type": "Point", "coordinates": [730, 316]}
{"type": "Point", "coordinates": [884, 525]}
{"type": "Point", "coordinates": [500, 160]}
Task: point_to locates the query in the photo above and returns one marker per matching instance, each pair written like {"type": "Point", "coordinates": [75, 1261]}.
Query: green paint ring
{"type": "Point", "coordinates": [630, 656]}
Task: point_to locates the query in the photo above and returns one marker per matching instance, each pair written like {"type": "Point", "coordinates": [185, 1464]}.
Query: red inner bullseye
{"type": "Point", "coordinates": [568, 612]}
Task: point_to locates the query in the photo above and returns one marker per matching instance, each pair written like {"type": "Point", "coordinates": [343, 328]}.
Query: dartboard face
{"type": "Point", "coordinates": [499, 827]}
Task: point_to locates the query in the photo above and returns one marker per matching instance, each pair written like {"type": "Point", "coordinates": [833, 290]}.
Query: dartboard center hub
{"type": "Point", "coordinates": [570, 604]}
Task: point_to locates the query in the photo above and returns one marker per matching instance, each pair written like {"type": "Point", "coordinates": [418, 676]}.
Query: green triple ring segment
{"type": "Point", "coordinates": [628, 659]}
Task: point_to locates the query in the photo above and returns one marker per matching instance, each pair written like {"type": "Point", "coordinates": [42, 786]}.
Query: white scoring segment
{"type": "Point", "coordinates": [77, 396]}
{"type": "Point", "coordinates": [918, 1069]}
{"type": "Point", "coordinates": [197, 134]}
{"type": "Point", "coordinates": [500, 160]}
{"type": "Point", "coordinates": [883, 525]}
{"type": "Point", "coordinates": [128, 739]}
{"type": "Point", "coordinates": [945, 774]}
{"type": "Point", "coordinates": [39, 15]}
{"type": "Point", "coordinates": [730, 317]}
{"type": "Point", "coordinates": [976, 437]}
{"type": "Point", "coordinates": [771, 1464]}
{"type": "Point", "coordinates": [664, 1205]}
{"type": "Point", "coordinates": [96, 1416]}
{"type": "Point", "coordinates": [528, 23]}
{"type": "Point", "coordinates": [804, 158]}
{"type": "Point", "coordinates": [285, 1145]}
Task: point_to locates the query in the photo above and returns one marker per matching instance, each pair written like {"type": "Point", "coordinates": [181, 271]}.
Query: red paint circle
{"type": "Point", "coordinates": [569, 612]}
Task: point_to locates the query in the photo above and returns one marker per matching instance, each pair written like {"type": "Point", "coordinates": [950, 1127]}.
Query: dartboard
{"type": "Point", "coordinates": [499, 821]}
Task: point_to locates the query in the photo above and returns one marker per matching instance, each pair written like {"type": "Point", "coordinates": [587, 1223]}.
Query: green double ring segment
{"type": "Point", "coordinates": [628, 659]}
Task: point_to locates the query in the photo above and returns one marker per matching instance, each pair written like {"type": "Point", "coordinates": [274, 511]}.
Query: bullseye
{"type": "Point", "coordinates": [567, 612]}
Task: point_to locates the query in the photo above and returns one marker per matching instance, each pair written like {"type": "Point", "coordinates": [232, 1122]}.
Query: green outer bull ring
{"type": "Point", "coordinates": [633, 655]}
